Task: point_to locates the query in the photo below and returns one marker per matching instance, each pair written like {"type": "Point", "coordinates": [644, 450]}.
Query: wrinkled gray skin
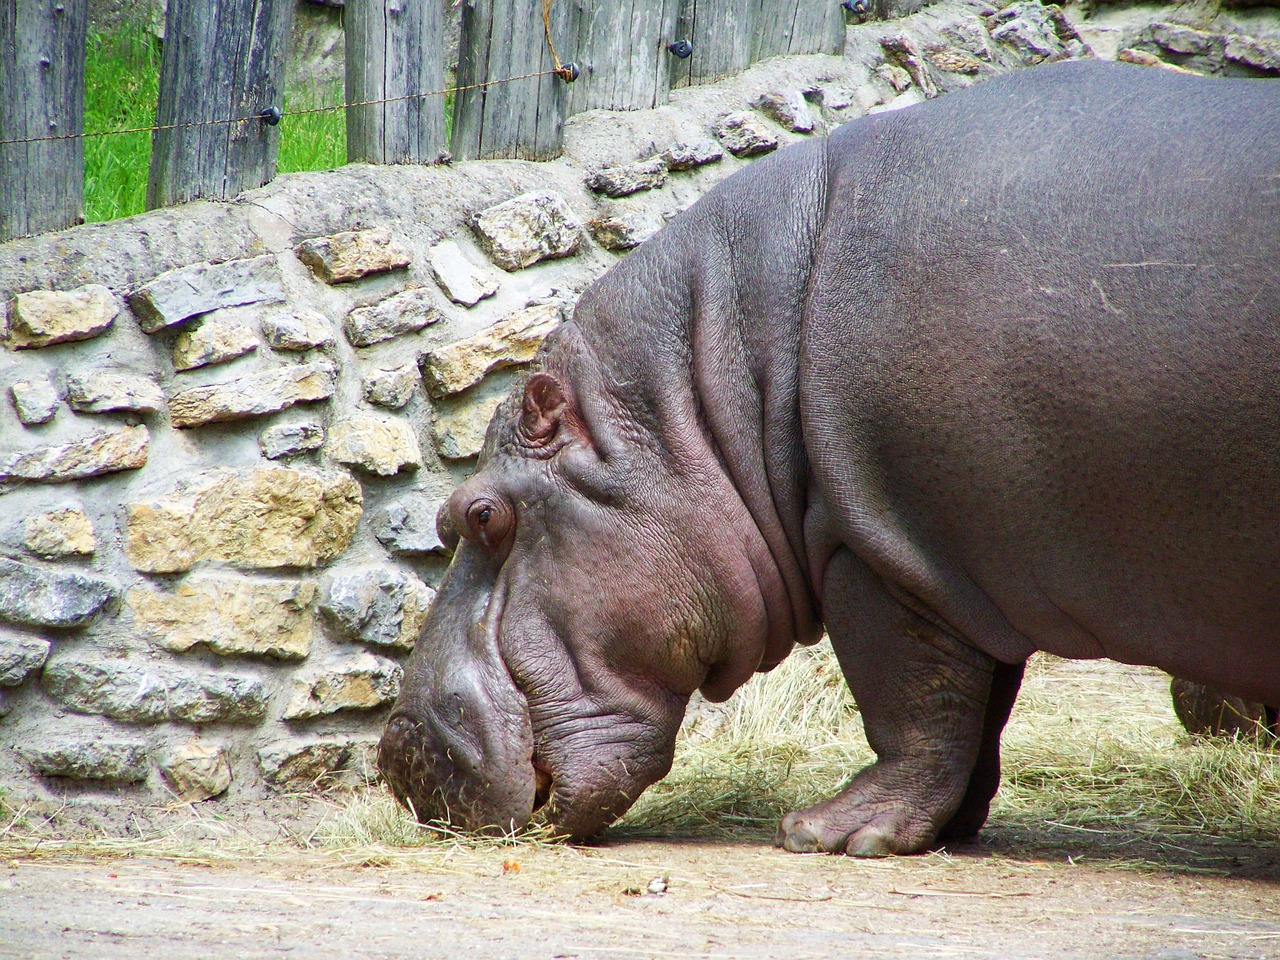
{"type": "Point", "coordinates": [994, 374]}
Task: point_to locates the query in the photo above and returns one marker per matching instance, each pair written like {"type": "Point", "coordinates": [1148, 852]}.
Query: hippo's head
{"type": "Point", "coordinates": [598, 581]}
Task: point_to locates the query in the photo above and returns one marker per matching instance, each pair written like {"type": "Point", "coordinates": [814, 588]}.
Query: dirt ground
{"type": "Point", "coordinates": [721, 900]}
{"type": "Point", "coordinates": [1029, 889]}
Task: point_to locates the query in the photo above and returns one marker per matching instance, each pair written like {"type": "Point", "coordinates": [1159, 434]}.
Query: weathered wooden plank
{"type": "Point", "coordinates": [797, 26]}
{"type": "Point", "coordinates": [395, 48]}
{"type": "Point", "coordinates": [523, 118]}
{"type": "Point", "coordinates": [622, 51]}
{"type": "Point", "coordinates": [720, 32]}
{"type": "Point", "coordinates": [223, 60]}
{"type": "Point", "coordinates": [41, 95]}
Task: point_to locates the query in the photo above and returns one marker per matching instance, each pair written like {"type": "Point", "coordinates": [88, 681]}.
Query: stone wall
{"type": "Point", "coordinates": [226, 428]}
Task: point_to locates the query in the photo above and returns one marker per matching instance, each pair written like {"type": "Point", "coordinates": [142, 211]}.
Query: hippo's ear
{"type": "Point", "coordinates": [544, 407]}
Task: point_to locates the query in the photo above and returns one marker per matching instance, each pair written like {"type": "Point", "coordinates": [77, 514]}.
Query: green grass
{"type": "Point", "coordinates": [312, 141]}
{"type": "Point", "coordinates": [122, 80]}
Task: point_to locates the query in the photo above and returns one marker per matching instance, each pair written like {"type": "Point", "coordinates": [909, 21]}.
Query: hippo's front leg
{"type": "Point", "coordinates": [924, 697]}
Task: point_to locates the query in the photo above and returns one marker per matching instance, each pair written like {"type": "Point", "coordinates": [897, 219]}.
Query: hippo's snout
{"type": "Point", "coordinates": [439, 776]}
{"type": "Point", "coordinates": [459, 744]}
{"type": "Point", "coordinates": [409, 769]}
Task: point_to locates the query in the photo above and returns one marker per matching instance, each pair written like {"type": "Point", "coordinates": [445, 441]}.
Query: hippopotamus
{"type": "Point", "coordinates": [994, 374]}
{"type": "Point", "coordinates": [1206, 712]}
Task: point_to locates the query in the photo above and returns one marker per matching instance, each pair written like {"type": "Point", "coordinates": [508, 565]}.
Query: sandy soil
{"type": "Point", "coordinates": [1028, 889]}
{"type": "Point", "coordinates": [721, 900]}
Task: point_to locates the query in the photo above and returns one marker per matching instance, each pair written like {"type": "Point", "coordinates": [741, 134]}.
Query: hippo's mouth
{"type": "Point", "coordinates": [543, 782]}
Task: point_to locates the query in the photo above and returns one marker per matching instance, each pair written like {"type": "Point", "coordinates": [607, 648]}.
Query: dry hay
{"type": "Point", "coordinates": [1092, 748]}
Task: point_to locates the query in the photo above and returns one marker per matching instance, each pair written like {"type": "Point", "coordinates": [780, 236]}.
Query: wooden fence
{"type": "Point", "coordinates": [222, 79]}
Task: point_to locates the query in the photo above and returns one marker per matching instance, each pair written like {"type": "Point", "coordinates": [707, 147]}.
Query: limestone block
{"type": "Point", "coordinates": [273, 517]}
{"type": "Point", "coordinates": [41, 318]}
{"type": "Point", "coordinates": [509, 342]}
{"type": "Point", "coordinates": [35, 400]}
{"type": "Point", "coordinates": [1262, 54]}
{"type": "Point", "coordinates": [196, 771]}
{"type": "Point", "coordinates": [252, 396]}
{"type": "Point", "coordinates": [687, 156]}
{"type": "Point", "coordinates": [620, 227]}
{"type": "Point", "coordinates": [6, 701]}
{"type": "Point", "coordinates": [41, 597]}
{"type": "Point", "coordinates": [289, 439]}
{"type": "Point", "coordinates": [788, 110]}
{"type": "Point", "coordinates": [233, 616]}
{"type": "Point", "coordinates": [211, 698]}
{"type": "Point", "coordinates": [391, 388]}
{"type": "Point", "coordinates": [127, 691]}
{"type": "Point", "coordinates": [459, 432]}
{"type": "Point", "coordinates": [122, 761]}
{"type": "Point", "coordinates": [832, 97]}
{"type": "Point", "coordinates": [161, 537]}
{"type": "Point", "coordinates": [20, 657]}
{"type": "Point", "coordinates": [100, 391]}
{"type": "Point", "coordinates": [895, 76]}
{"type": "Point", "coordinates": [519, 232]}
{"type": "Point", "coordinates": [968, 34]}
{"type": "Point", "coordinates": [1027, 28]}
{"type": "Point", "coordinates": [381, 445]}
{"type": "Point", "coordinates": [361, 682]}
{"type": "Point", "coordinates": [298, 330]}
{"type": "Point", "coordinates": [408, 526]}
{"type": "Point", "coordinates": [377, 605]}
{"type": "Point", "coordinates": [60, 533]}
{"type": "Point", "coordinates": [955, 61]}
{"type": "Point", "coordinates": [629, 178]}
{"type": "Point", "coordinates": [212, 341]}
{"type": "Point", "coordinates": [300, 763]}
{"type": "Point", "coordinates": [907, 55]}
{"type": "Point", "coordinates": [354, 254]}
{"type": "Point", "coordinates": [461, 280]}
{"type": "Point", "coordinates": [406, 312]}
{"type": "Point", "coordinates": [124, 449]}
{"type": "Point", "coordinates": [745, 135]}
{"type": "Point", "coordinates": [112, 688]}
{"type": "Point", "coordinates": [1144, 59]}
{"type": "Point", "coordinates": [1177, 38]}
{"type": "Point", "coordinates": [178, 294]}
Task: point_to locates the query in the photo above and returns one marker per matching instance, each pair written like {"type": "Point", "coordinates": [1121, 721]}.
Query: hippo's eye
{"type": "Point", "coordinates": [479, 515]}
{"type": "Point", "coordinates": [488, 522]}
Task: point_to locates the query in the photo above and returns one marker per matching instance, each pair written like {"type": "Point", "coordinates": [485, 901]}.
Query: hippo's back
{"type": "Point", "coordinates": [1041, 365]}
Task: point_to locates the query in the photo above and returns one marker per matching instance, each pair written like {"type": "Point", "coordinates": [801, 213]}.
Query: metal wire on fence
{"type": "Point", "coordinates": [272, 115]}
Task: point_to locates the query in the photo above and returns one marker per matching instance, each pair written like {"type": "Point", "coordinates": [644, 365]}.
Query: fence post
{"type": "Point", "coordinates": [797, 26]}
{"type": "Point", "coordinates": [223, 59]}
{"type": "Point", "coordinates": [41, 95]}
{"type": "Point", "coordinates": [720, 34]}
{"type": "Point", "coordinates": [523, 118]}
{"type": "Point", "coordinates": [395, 48]}
{"type": "Point", "coordinates": [622, 51]}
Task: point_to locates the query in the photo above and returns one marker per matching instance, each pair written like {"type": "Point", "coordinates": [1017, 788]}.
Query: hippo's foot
{"type": "Point", "coordinates": [1206, 712]}
{"type": "Point", "coordinates": [877, 815]}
